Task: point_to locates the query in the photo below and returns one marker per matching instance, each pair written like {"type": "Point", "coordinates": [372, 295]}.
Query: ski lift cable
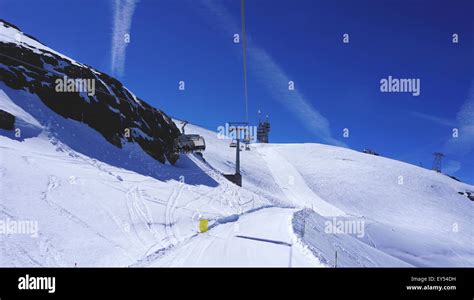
{"type": "Point", "coordinates": [244, 49]}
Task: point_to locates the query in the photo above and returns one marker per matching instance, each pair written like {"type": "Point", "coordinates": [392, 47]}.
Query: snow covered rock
{"type": "Point", "coordinates": [111, 109]}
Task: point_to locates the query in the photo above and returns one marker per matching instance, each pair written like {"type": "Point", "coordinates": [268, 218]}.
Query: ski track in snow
{"type": "Point", "coordinates": [52, 185]}
{"type": "Point", "coordinates": [169, 215]}
{"type": "Point", "coordinates": [137, 216]}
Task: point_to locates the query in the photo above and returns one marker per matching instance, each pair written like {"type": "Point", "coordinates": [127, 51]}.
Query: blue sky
{"type": "Point", "coordinates": [337, 85]}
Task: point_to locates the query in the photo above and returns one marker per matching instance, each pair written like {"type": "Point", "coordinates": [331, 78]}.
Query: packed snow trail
{"type": "Point", "coordinates": [223, 245]}
{"type": "Point", "coordinates": [293, 184]}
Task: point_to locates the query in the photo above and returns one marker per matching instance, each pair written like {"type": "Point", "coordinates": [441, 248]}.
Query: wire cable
{"type": "Point", "coordinates": [244, 49]}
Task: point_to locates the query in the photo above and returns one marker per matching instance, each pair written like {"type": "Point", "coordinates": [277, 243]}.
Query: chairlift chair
{"type": "Point", "coordinates": [247, 144]}
{"type": "Point", "coordinates": [189, 143]}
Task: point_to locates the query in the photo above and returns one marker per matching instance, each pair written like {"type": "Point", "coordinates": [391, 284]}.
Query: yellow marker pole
{"type": "Point", "coordinates": [203, 225]}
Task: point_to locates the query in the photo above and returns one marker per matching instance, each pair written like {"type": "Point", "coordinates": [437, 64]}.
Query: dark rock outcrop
{"type": "Point", "coordinates": [7, 120]}
{"type": "Point", "coordinates": [468, 194]}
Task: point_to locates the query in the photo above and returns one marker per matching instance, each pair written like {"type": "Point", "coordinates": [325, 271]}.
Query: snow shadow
{"type": "Point", "coordinates": [21, 132]}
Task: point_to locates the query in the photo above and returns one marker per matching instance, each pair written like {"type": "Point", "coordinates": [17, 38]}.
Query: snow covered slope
{"type": "Point", "coordinates": [93, 213]}
{"type": "Point", "coordinates": [409, 215]}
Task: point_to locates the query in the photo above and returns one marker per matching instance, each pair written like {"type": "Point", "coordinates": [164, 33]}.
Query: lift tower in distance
{"type": "Point", "coordinates": [240, 130]}
{"type": "Point", "coordinates": [438, 156]}
{"type": "Point", "coordinates": [263, 129]}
